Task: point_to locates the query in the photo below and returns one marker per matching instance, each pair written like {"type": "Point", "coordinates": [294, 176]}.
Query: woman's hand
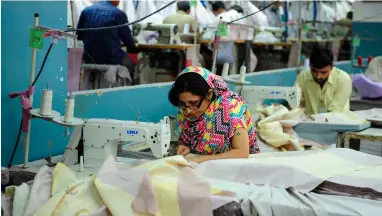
{"type": "Point", "coordinates": [183, 150]}
{"type": "Point", "coordinates": [194, 158]}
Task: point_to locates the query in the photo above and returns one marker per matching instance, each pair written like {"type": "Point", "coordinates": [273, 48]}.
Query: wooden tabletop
{"type": "Point", "coordinates": [255, 43]}
{"type": "Point", "coordinates": [312, 40]}
{"type": "Point", "coordinates": [165, 46]}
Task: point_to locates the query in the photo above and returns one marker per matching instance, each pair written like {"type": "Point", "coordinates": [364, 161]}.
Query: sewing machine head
{"type": "Point", "coordinates": [104, 137]}
{"type": "Point", "coordinates": [256, 95]}
{"type": "Point", "coordinates": [167, 33]}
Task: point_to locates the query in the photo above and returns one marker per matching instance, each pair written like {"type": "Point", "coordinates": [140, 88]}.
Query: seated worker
{"type": "Point", "coordinates": [273, 15]}
{"type": "Point", "coordinates": [214, 122]}
{"type": "Point", "coordinates": [324, 87]}
{"type": "Point", "coordinates": [181, 17]}
{"type": "Point", "coordinates": [104, 46]}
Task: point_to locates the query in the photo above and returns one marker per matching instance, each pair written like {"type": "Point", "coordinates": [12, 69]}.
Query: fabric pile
{"type": "Point", "coordinates": [275, 127]}
{"type": "Point", "coordinates": [172, 186]}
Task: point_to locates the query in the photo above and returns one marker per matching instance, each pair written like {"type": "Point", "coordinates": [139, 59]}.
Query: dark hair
{"type": "Point", "coordinates": [217, 5]}
{"type": "Point", "coordinates": [237, 8]}
{"type": "Point", "coordinates": [321, 58]}
{"type": "Point", "coordinates": [189, 82]}
{"type": "Point", "coordinates": [349, 15]}
{"type": "Point", "coordinates": [183, 6]}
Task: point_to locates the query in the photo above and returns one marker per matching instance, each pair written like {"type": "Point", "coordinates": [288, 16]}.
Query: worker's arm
{"type": "Point", "coordinates": [341, 95]}
{"type": "Point", "coordinates": [240, 148]}
{"type": "Point", "coordinates": [125, 34]}
{"type": "Point", "coordinates": [300, 83]}
{"type": "Point", "coordinates": [80, 34]}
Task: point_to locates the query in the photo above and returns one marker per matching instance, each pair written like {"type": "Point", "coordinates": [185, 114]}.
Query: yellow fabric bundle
{"type": "Point", "coordinates": [159, 187]}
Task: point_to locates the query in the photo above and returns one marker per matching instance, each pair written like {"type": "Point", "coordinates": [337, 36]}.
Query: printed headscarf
{"type": "Point", "coordinates": [211, 133]}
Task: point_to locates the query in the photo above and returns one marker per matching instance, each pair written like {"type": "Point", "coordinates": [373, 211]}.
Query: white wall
{"type": "Point", "coordinates": [363, 11]}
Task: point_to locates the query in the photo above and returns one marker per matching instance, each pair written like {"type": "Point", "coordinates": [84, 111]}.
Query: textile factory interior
{"type": "Point", "coordinates": [184, 108]}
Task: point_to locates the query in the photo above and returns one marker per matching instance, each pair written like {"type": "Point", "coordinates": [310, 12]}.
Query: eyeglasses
{"type": "Point", "coordinates": [192, 107]}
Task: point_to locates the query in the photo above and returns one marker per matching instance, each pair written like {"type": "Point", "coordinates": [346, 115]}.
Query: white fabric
{"type": "Point", "coordinates": [168, 10]}
{"type": "Point", "coordinates": [326, 13]}
{"type": "Point", "coordinates": [374, 70]}
{"type": "Point", "coordinates": [77, 7]}
{"type": "Point", "coordinates": [40, 191]}
{"type": "Point", "coordinates": [6, 205]}
{"type": "Point", "coordinates": [20, 200]}
{"type": "Point", "coordinates": [259, 19]}
{"type": "Point", "coordinates": [145, 8]}
{"type": "Point", "coordinates": [203, 15]}
{"type": "Point", "coordinates": [229, 16]}
{"type": "Point", "coordinates": [128, 7]}
{"type": "Point", "coordinates": [265, 200]}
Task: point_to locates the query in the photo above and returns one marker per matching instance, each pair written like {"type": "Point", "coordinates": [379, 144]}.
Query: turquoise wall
{"type": "Point", "coordinates": [372, 34]}
{"type": "Point", "coordinates": [16, 20]}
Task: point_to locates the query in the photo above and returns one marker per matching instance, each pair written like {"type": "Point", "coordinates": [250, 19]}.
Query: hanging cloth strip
{"type": "Point", "coordinates": [25, 103]}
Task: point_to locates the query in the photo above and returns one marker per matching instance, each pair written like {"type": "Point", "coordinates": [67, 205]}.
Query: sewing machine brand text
{"type": "Point", "coordinates": [132, 132]}
{"type": "Point", "coordinates": [275, 92]}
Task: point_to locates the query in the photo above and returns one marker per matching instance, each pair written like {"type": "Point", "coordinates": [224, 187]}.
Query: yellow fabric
{"type": "Point", "coordinates": [89, 194]}
{"type": "Point", "coordinates": [272, 131]}
{"type": "Point", "coordinates": [333, 97]}
{"type": "Point", "coordinates": [71, 196]}
{"type": "Point", "coordinates": [62, 178]}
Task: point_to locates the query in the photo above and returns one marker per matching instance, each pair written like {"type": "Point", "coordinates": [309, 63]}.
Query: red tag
{"type": "Point", "coordinates": [133, 57]}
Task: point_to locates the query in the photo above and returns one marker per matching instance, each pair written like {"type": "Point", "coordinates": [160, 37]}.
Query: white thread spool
{"type": "Point", "coordinates": [69, 110]}
{"type": "Point", "coordinates": [306, 63]}
{"type": "Point", "coordinates": [46, 102]}
{"type": "Point", "coordinates": [81, 163]}
{"type": "Point", "coordinates": [243, 71]}
{"type": "Point", "coordinates": [225, 70]}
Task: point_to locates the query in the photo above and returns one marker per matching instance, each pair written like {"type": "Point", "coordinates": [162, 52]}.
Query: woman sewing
{"type": "Point", "coordinates": [214, 122]}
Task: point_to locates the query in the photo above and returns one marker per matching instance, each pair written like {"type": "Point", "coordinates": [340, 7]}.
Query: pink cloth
{"type": "Point", "coordinates": [25, 103]}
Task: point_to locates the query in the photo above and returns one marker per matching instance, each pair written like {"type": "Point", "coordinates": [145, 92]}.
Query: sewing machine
{"type": "Point", "coordinates": [167, 33]}
{"type": "Point", "coordinates": [256, 95]}
{"type": "Point", "coordinates": [124, 140]}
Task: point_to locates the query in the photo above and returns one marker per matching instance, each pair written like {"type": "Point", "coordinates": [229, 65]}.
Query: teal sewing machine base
{"type": "Point", "coordinates": [326, 133]}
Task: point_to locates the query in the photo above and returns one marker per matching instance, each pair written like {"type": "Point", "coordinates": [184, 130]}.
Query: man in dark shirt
{"type": "Point", "coordinates": [104, 46]}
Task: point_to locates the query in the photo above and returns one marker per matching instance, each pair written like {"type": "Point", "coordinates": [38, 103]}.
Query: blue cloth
{"type": "Point", "coordinates": [104, 46]}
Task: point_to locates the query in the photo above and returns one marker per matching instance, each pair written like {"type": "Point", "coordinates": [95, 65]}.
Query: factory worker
{"type": "Point", "coordinates": [105, 47]}
{"type": "Point", "coordinates": [273, 15]}
{"type": "Point", "coordinates": [214, 122]}
{"type": "Point", "coordinates": [182, 17]}
{"type": "Point", "coordinates": [221, 14]}
{"type": "Point", "coordinates": [324, 87]}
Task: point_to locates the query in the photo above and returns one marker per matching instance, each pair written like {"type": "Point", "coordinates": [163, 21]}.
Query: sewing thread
{"type": "Point", "coordinates": [69, 110]}
{"type": "Point", "coordinates": [225, 70]}
{"type": "Point", "coordinates": [46, 102]}
{"type": "Point", "coordinates": [243, 71]}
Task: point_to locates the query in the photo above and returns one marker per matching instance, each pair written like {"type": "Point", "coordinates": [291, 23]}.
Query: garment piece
{"type": "Point", "coordinates": [26, 104]}
{"type": "Point", "coordinates": [20, 200]}
{"type": "Point", "coordinates": [212, 132]}
{"type": "Point", "coordinates": [104, 47]}
{"type": "Point", "coordinates": [40, 191]}
{"type": "Point", "coordinates": [333, 96]}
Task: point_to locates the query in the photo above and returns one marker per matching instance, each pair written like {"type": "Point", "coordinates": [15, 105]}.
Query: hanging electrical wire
{"type": "Point", "coordinates": [122, 25]}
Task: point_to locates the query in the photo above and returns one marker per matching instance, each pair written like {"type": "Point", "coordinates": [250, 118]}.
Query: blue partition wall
{"type": "Point", "coordinates": [16, 20]}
